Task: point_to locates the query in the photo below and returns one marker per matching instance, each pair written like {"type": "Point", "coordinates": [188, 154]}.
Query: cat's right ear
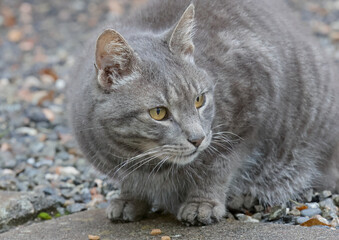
{"type": "Point", "coordinates": [181, 37]}
{"type": "Point", "coordinates": [115, 60]}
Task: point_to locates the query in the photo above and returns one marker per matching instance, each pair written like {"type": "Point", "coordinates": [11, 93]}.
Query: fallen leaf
{"type": "Point", "coordinates": [313, 222]}
{"type": "Point", "coordinates": [302, 207]}
{"type": "Point", "coordinates": [50, 72]}
{"type": "Point", "coordinates": [44, 216]}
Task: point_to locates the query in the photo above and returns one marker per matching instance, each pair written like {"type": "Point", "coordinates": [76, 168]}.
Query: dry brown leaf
{"type": "Point", "coordinates": [313, 222]}
{"type": "Point", "coordinates": [49, 72]}
{"type": "Point", "coordinates": [302, 207]}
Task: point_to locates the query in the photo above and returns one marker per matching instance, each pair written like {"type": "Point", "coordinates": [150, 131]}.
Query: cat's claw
{"type": "Point", "coordinates": [201, 213]}
{"type": "Point", "coordinates": [126, 210]}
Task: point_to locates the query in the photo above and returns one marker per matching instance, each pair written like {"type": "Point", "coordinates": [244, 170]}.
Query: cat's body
{"type": "Point", "coordinates": [269, 126]}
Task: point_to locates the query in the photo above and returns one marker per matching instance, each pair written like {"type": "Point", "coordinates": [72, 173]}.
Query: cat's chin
{"type": "Point", "coordinates": [183, 160]}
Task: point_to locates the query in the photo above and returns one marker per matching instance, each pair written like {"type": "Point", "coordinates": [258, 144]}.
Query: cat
{"type": "Point", "coordinates": [190, 104]}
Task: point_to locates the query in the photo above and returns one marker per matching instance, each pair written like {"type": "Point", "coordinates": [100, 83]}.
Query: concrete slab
{"type": "Point", "coordinates": [17, 208]}
{"type": "Point", "coordinates": [79, 226]}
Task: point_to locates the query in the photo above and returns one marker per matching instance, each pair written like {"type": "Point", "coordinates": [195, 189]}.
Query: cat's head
{"type": "Point", "coordinates": [155, 101]}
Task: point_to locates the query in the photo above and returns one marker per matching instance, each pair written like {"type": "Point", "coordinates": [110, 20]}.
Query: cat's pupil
{"type": "Point", "coordinates": [158, 111]}
{"type": "Point", "coordinates": [198, 99]}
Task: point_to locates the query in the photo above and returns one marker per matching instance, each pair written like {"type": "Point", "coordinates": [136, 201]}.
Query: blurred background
{"type": "Point", "coordinates": [39, 40]}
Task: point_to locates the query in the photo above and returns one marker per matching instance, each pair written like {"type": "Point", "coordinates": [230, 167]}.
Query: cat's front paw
{"type": "Point", "coordinates": [126, 210]}
{"type": "Point", "coordinates": [201, 212]}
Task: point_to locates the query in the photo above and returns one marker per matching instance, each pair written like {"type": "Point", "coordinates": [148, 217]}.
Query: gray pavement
{"type": "Point", "coordinates": [94, 222]}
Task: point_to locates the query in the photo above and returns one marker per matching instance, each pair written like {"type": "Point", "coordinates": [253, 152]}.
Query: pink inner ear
{"type": "Point", "coordinates": [181, 40]}
{"type": "Point", "coordinates": [115, 59]}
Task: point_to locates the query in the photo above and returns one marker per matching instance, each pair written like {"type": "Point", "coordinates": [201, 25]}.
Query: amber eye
{"type": "Point", "coordinates": [199, 101]}
{"type": "Point", "coordinates": [158, 113]}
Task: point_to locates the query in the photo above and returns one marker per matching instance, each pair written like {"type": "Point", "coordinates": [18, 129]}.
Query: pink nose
{"type": "Point", "coordinates": [196, 142]}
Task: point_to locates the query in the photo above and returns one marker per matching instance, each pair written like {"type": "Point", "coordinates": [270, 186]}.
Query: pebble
{"type": "Point", "coordinates": [26, 131]}
{"type": "Point", "coordinates": [310, 212]}
{"type": "Point", "coordinates": [276, 213]}
{"type": "Point", "coordinates": [321, 219]}
{"type": "Point", "coordinates": [69, 171]}
{"type": "Point", "coordinates": [327, 203]}
{"type": "Point", "coordinates": [336, 199]}
{"type": "Point", "coordinates": [76, 207]}
{"type": "Point", "coordinates": [312, 205]}
{"type": "Point", "coordinates": [294, 212]}
{"type": "Point", "coordinates": [301, 220]}
{"type": "Point", "coordinates": [325, 194]}
{"type": "Point", "coordinates": [245, 218]}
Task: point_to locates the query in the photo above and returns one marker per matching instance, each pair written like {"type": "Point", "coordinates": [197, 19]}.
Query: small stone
{"type": "Point", "coordinates": [310, 212]}
{"type": "Point", "coordinates": [301, 220]}
{"type": "Point", "coordinates": [259, 208]}
{"type": "Point", "coordinates": [325, 194]}
{"type": "Point", "coordinates": [93, 237]}
{"type": "Point", "coordinates": [294, 212]}
{"type": "Point", "coordinates": [334, 36]}
{"type": "Point", "coordinates": [14, 35]}
{"type": "Point", "coordinates": [26, 131]}
{"type": "Point", "coordinates": [228, 215]}
{"type": "Point", "coordinates": [336, 199]}
{"type": "Point", "coordinates": [37, 147]}
{"type": "Point", "coordinates": [276, 213]}
{"type": "Point", "coordinates": [321, 219]}
{"type": "Point", "coordinates": [76, 207]}
{"type": "Point", "coordinates": [43, 162]}
{"type": "Point", "coordinates": [35, 114]}
{"type": "Point", "coordinates": [328, 213]}
{"type": "Point", "coordinates": [335, 222]}
{"type": "Point", "coordinates": [327, 203]}
{"type": "Point", "coordinates": [257, 216]}
{"type": "Point", "coordinates": [155, 232]}
{"type": "Point", "coordinates": [61, 210]}
{"type": "Point", "coordinates": [49, 191]}
{"type": "Point", "coordinates": [244, 218]}
{"type": "Point", "coordinates": [60, 84]}
{"type": "Point", "coordinates": [67, 171]}
{"type": "Point", "coordinates": [287, 218]}
{"type": "Point", "coordinates": [86, 195]}
{"type": "Point", "coordinates": [312, 205]}
{"type": "Point", "coordinates": [165, 238]}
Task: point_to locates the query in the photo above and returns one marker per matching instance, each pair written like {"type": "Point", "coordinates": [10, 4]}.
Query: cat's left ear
{"type": "Point", "coordinates": [181, 38]}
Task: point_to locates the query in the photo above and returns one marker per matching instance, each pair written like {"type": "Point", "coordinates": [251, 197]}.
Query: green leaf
{"type": "Point", "coordinates": [44, 216]}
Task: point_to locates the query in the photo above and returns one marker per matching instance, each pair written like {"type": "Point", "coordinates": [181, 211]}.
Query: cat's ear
{"type": "Point", "coordinates": [115, 60]}
{"type": "Point", "coordinates": [181, 38]}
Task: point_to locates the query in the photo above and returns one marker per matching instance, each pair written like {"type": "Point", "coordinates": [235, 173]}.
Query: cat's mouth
{"type": "Point", "coordinates": [183, 159]}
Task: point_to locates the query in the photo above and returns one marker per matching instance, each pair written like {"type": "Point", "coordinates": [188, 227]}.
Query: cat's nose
{"type": "Point", "coordinates": [196, 142]}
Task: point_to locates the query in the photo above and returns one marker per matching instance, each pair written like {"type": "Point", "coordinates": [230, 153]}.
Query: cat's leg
{"type": "Point", "coordinates": [202, 209]}
{"type": "Point", "coordinates": [206, 199]}
{"type": "Point", "coordinates": [126, 209]}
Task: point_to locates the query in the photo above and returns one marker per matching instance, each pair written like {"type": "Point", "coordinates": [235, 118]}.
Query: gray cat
{"type": "Point", "coordinates": [189, 104]}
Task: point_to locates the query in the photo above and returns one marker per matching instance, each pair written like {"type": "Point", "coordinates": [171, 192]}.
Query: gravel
{"type": "Point", "coordinates": [38, 155]}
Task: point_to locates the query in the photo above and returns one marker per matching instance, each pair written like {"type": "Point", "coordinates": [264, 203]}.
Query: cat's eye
{"type": "Point", "coordinates": [158, 113]}
{"type": "Point", "coordinates": [199, 101]}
